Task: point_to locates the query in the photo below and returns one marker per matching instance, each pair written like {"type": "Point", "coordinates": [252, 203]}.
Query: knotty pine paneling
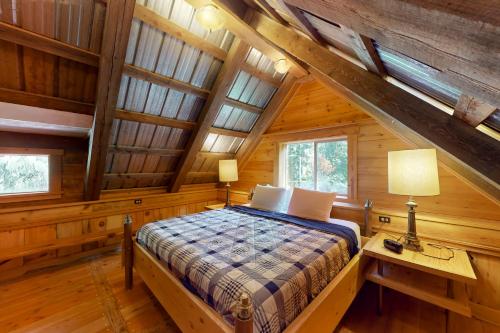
{"type": "Point", "coordinates": [460, 215]}
{"type": "Point", "coordinates": [42, 236]}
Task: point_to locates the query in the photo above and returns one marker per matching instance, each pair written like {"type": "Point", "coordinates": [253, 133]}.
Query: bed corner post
{"type": "Point", "coordinates": [244, 315]}
{"type": "Point", "coordinates": [128, 251]}
{"type": "Point", "coordinates": [368, 217]}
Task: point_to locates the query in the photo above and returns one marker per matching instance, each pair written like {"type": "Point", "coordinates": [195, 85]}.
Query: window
{"type": "Point", "coordinates": [29, 174]}
{"type": "Point", "coordinates": [318, 165]}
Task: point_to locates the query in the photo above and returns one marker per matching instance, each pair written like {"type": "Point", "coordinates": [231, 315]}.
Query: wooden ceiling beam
{"type": "Point", "coordinates": [441, 35]}
{"type": "Point", "coordinates": [16, 35]}
{"type": "Point", "coordinates": [261, 75]}
{"type": "Point", "coordinates": [234, 15]}
{"type": "Point", "coordinates": [152, 119]}
{"type": "Point", "coordinates": [303, 23]}
{"type": "Point", "coordinates": [363, 46]}
{"type": "Point", "coordinates": [138, 175]}
{"type": "Point", "coordinates": [273, 109]}
{"type": "Point", "coordinates": [243, 106]}
{"type": "Point", "coordinates": [472, 111]}
{"type": "Point", "coordinates": [119, 14]}
{"type": "Point", "coordinates": [270, 11]}
{"type": "Point", "coordinates": [46, 102]}
{"type": "Point", "coordinates": [148, 151]}
{"type": "Point", "coordinates": [208, 114]}
{"type": "Point", "coordinates": [228, 132]}
{"type": "Point", "coordinates": [466, 151]}
{"type": "Point", "coordinates": [163, 24]}
{"type": "Point", "coordinates": [164, 81]}
{"type": "Point", "coordinates": [215, 155]}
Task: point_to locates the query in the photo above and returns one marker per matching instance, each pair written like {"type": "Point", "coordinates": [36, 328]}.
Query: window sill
{"type": "Point", "coordinates": [29, 197]}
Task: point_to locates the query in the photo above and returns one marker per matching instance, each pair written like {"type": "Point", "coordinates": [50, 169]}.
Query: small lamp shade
{"type": "Point", "coordinates": [228, 170]}
{"type": "Point", "coordinates": [413, 172]}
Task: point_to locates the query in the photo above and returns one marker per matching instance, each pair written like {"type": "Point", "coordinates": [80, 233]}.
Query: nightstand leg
{"type": "Point", "coordinates": [450, 294]}
{"type": "Point", "coordinates": [380, 303]}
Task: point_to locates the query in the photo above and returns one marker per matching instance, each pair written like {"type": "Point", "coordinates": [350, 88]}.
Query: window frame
{"type": "Point", "coordinates": [280, 177]}
{"type": "Point", "coordinates": [55, 175]}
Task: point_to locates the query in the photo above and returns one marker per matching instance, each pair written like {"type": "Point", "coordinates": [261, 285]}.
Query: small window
{"type": "Point", "coordinates": [317, 165]}
{"type": "Point", "coordinates": [29, 174]}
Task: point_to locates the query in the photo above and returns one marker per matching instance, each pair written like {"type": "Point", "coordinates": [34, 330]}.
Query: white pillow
{"type": "Point", "coordinates": [267, 198]}
{"type": "Point", "coordinates": [312, 205]}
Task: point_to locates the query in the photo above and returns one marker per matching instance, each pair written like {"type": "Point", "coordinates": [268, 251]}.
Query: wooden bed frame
{"type": "Point", "coordinates": [192, 314]}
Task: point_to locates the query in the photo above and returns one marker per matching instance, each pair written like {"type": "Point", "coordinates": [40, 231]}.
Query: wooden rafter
{"type": "Point", "coordinates": [269, 10]}
{"type": "Point", "coordinates": [303, 23]}
{"type": "Point", "coordinates": [117, 25]}
{"type": "Point", "coordinates": [164, 81]}
{"type": "Point", "coordinates": [363, 46]}
{"type": "Point", "coordinates": [273, 109]}
{"type": "Point", "coordinates": [161, 23]}
{"type": "Point", "coordinates": [466, 151]}
{"type": "Point", "coordinates": [228, 132]}
{"type": "Point", "coordinates": [152, 119]}
{"type": "Point", "coordinates": [269, 78]}
{"type": "Point", "coordinates": [19, 36]}
{"type": "Point", "coordinates": [234, 16]}
{"type": "Point", "coordinates": [44, 101]}
{"type": "Point", "coordinates": [440, 36]}
{"type": "Point", "coordinates": [220, 89]}
{"type": "Point", "coordinates": [472, 111]}
{"type": "Point", "coordinates": [243, 106]}
{"type": "Point", "coordinates": [221, 156]}
{"type": "Point", "coordinates": [138, 175]}
{"type": "Point", "coordinates": [149, 151]}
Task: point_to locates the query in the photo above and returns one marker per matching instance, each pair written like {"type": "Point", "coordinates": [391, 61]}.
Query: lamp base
{"type": "Point", "coordinates": [412, 242]}
{"type": "Point", "coordinates": [228, 202]}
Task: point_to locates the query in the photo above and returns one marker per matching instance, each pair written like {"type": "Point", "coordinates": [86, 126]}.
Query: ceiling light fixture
{"type": "Point", "coordinates": [281, 66]}
{"type": "Point", "coordinates": [209, 17]}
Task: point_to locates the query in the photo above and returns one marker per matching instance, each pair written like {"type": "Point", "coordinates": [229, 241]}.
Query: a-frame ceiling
{"type": "Point", "coordinates": [170, 99]}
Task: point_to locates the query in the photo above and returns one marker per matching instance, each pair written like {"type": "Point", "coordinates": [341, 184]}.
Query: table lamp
{"type": "Point", "coordinates": [413, 173]}
{"type": "Point", "coordinates": [228, 172]}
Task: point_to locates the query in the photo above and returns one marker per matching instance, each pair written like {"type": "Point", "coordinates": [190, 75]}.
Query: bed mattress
{"type": "Point", "coordinates": [281, 261]}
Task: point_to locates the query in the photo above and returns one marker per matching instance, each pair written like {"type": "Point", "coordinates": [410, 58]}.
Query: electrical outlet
{"type": "Point", "coordinates": [384, 219]}
{"type": "Point", "coordinates": [138, 201]}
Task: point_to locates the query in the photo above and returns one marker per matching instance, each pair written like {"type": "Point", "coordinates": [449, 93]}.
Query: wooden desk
{"type": "Point", "coordinates": [437, 281]}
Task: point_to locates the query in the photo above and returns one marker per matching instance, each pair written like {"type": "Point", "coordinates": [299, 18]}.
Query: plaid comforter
{"type": "Point", "coordinates": [282, 262]}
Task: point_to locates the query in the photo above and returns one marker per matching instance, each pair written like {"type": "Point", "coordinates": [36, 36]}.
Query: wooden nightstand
{"type": "Point", "coordinates": [440, 282]}
{"type": "Point", "coordinates": [214, 206]}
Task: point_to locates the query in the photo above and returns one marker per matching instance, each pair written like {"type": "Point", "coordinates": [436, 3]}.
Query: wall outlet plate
{"type": "Point", "coordinates": [138, 201]}
{"type": "Point", "coordinates": [384, 219]}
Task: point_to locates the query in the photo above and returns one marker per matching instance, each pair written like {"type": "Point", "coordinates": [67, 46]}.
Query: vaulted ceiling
{"type": "Point", "coordinates": [164, 99]}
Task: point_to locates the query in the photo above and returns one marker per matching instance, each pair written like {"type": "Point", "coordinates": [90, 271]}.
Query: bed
{"type": "Point", "coordinates": [248, 270]}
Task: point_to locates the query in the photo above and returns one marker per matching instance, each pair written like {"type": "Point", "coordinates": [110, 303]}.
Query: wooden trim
{"type": "Point", "coordinates": [165, 81]}
{"type": "Point", "coordinates": [30, 151]}
{"type": "Point", "coordinates": [161, 23]}
{"type": "Point", "coordinates": [472, 111]}
{"type": "Point", "coordinates": [363, 46]}
{"type": "Point", "coordinates": [45, 101]}
{"type": "Point", "coordinates": [149, 151]}
{"type": "Point", "coordinates": [16, 35]}
{"type": "Point", "coordinates": [117, 25]}
{"type": "Point", "coordinates": [208, 114]}
{"type": "Point", "coordinates": [152, 119]}
{"type": "Point", "coordinates": [138, 175]}
{"type": "Point", "coordinates": [243, 106]}
{"type": "Point", "coordinates": [272, 111]}
{"type": "Point", "coordinates": [352, 164]}
{"type": "Point", "coordinates": [261, 75]}
{"type": "Point", "coordinates": [228, 132]}
{"type": "Point", "coordinates": [462, 148]}
{"type": "Point", "coordinates": [192, 174]}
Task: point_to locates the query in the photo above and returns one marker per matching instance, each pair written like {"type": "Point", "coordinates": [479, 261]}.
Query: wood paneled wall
{"type": "Point", "coordinates": [459, 216]}
{"type": "Point", "coordinates": [42, 236]}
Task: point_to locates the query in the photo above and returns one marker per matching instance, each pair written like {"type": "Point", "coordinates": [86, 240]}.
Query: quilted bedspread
{"type": "Point", "coordinates": [281, 261]}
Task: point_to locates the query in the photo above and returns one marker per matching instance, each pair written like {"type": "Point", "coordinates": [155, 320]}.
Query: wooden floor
{"type": "Point", "coordinates": [89, 297]}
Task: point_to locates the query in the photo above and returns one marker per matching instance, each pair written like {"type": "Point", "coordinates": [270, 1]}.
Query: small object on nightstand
{"type": "Point", "coordinates": [393, 245]}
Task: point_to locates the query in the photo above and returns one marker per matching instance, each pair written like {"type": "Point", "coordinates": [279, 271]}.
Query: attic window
{"type": "Point", "coordinates": [29, 174]}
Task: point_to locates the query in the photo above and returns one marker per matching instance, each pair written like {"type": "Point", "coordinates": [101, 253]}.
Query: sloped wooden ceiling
{"type": "Point", "coordinates": [169, 99]}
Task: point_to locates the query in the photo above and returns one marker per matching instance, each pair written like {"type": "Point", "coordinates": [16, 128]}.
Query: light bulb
{"type": "Point", "coordinates": [281, 66]}
{"type": "Point", "coordinates": [209, 17]}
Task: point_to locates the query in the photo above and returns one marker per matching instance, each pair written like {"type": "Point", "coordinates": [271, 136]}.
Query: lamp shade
{"type": "Point", "coordinates": [413, 172]}
{"type": "Point", "coordinates": [228, 170]}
